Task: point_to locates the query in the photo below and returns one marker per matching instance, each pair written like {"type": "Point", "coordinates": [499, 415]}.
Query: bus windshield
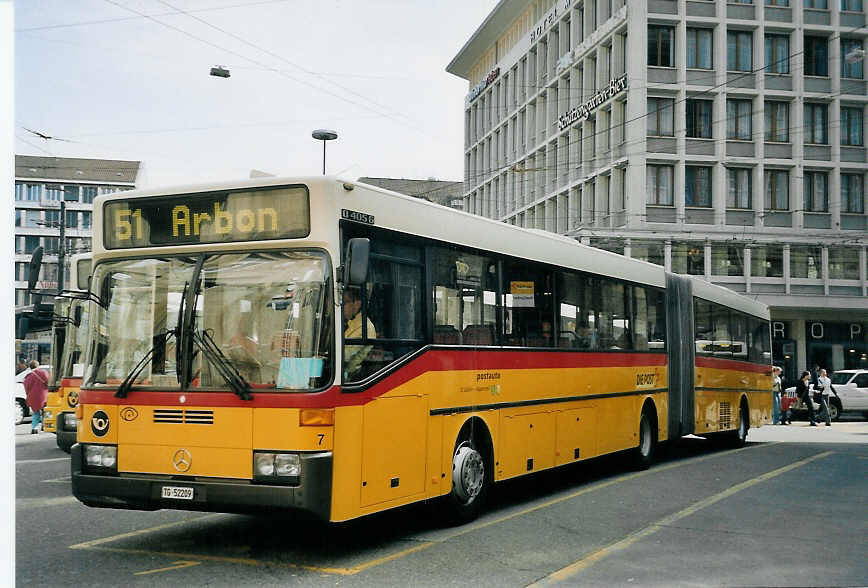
{"type": "Point", "coordinates": [268, 313]}
{"type": "Point", "coordinates": [72, 362]}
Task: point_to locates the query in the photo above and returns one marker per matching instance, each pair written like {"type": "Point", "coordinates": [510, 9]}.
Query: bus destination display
{"type": "Point", "coordinates": [215, 217]}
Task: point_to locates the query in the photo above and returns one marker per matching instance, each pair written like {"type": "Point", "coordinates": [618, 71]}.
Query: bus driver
{"type": "Point", "coordinates": [354, 355]}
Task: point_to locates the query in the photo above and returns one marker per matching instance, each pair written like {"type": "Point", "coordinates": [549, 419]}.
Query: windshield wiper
{"type": "Point", "coordinates": [125, 386]}
{"type": "Point", "coordinates": [179, 334]}
{"type": "Point", "coordinates": [222, 363]}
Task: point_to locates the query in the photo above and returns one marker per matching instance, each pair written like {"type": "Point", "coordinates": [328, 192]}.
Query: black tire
{"type": "Point", "coordinates": [643, 453]}
{"type": "Point", "coordinates": [64, 446]}
{"type": "Point", "coordinates": [738, 437]}
{"type": "Point", "coordinates": [470, 481]}
{"type": "Point", "coordinates": [835, 409]}
{"type": "Point", "coordinates": [20, 411]}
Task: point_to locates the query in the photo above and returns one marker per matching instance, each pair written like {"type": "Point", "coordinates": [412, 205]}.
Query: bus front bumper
{"type": "Point", "coordinates": [143, 492]}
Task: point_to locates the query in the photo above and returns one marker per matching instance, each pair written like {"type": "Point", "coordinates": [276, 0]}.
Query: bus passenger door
{"type": "Point", "coordinates": [393, 448]}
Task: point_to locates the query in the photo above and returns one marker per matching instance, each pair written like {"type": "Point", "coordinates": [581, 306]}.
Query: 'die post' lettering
{"type": "Point", "coordinates": [185, 223]}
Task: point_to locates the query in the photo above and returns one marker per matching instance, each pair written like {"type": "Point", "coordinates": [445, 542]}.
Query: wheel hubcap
{"type": "Point", "coordinates": [468, 474]}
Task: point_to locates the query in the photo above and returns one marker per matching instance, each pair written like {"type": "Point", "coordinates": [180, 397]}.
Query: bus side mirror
{"type": "Point", "coordinates": [33, 270]}
{"type": "Point", "coordinates": [356, 261]}
{"type": "Point", "coordinates": [76, 316]}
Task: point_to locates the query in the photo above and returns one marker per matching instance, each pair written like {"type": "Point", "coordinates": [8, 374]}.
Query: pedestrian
{"type": "Point", "coordinates": [803, 391]}
{"type": "Point", "coordinates": [815, 375]}
{"type": "Point", "coordinates": [776, 395]}
{"type": "Point", "coordinates": [821, 395]}
{"type": "Point", "coordinates": [20, 366]}
{"type": "Point", "coordinates": [36, 386]}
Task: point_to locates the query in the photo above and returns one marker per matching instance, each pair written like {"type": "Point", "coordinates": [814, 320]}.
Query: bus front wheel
{"type": "Point", "coordinates": [643, 454]}
{"type": "Point", "coordinates": [469, 482]}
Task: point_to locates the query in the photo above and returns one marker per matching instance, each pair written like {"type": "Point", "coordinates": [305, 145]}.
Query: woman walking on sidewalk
{"type": "Point", "coordinates": [776, 396]}
{"type": "Point", "coordinates": [822, 392]}
{"type": "Point", "coordinates": [36, 386]}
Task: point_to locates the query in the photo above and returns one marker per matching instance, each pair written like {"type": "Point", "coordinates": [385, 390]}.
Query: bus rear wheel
{"type": "Point", "coordinates": [738, 437]}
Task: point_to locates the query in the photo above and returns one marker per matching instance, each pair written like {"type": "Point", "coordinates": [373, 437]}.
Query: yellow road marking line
{"type": "Point", "coordinates": [91, 544]}
{"type": "Point", "coordinates": [178, 566]}
{"type": "Point", "coordinates": [589, 560]}
{"type": "Point", "coordinates": [30, 503]}
{"type": "Point", "coordinates": [30, 461]}
{"type": "Point", "coordinates": [387, 558]}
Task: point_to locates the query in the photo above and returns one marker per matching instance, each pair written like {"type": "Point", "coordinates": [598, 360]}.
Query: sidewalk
{"type": "Point", "coordinates": [848, 430]}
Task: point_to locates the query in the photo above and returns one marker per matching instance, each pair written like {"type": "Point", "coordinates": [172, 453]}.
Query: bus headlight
{"type": "Point", "coordinates": [276, 468]}
{"type": "Point", "coordinates": [47, 414]}
{"type": "Point", "coordinates": [70, 423]}
{"type": "Point", "coordinates": [101, 457]}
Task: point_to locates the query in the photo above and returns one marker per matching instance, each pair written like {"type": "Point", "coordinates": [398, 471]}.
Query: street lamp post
{"type": "Point", "coordinates": [324, 135]}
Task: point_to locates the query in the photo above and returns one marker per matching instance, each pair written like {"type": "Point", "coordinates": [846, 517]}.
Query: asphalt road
{"type": "Point", "coordinates": [789, 509]}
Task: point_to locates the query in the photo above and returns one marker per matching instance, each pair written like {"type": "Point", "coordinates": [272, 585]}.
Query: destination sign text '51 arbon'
{"type": "Point", "coordinates": [212, 217]}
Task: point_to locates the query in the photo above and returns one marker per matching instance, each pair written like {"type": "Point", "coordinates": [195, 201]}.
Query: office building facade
{"type": "Point", "coordinates": [723, 139]}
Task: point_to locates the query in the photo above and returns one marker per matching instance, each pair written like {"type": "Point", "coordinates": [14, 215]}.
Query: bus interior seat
{"type": "Point", "coordinates": [478, 335]}
{"type": "Point", "coordinates": [446, 335]}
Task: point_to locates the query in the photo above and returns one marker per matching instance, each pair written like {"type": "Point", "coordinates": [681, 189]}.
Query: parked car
{"type": "Point", "coordinates": [851, 395]}
{"type": "Point", "coordinates": [21, 409]}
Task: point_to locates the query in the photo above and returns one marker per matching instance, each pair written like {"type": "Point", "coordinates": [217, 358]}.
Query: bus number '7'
{"type": "Point", "coordinates": [123, 226]}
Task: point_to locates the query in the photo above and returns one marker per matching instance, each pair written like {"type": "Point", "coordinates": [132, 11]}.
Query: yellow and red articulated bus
{"type": "Point", "coordinates": [326, 346]}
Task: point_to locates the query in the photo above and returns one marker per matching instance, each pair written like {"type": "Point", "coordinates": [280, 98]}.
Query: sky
{"type": "Point", "coordinates": [129, 79]}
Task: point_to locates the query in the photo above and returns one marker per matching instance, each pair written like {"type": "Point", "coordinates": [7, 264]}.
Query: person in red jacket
{"type": "Point", "coordinates": [36, 386]}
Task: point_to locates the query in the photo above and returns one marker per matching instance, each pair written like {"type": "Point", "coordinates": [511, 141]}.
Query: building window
{"type": "Point", "coordinates": [816, 56]}
{"type": "Point", "coordinates": [33, 218]}
{"type": "Point", "coordinates": [843, 263]}
{"type": "Point", "coordinates": [659, 184]}
{"type": "Point", "coordinates": [851, 68]}
{"type": "Point", "coordinates": [88, 193]}
{"type": "Point", "coordinates": [85, 215]}
{"type": "Point", "coordinates": [699, 118]}
{"type": "Point", "coordinates": [739, 195]}
{"type": "Point", "coordinates": [71, 219]}
{"type": "Point", "coordinates": [816, 191]}
{"type": "Point", "coordinates": [699, 44]}
{"type": "Point", "coordinates": [30, 243]}
{"type": "Point", "coordinates": [851, 5]}
{"type": "Point", "coordinates": [816, 124]}
{"type": "Point", "coordinates": [851, 126]}
{"type": "Point", "coordinates": [54, 192]}
{"type": "Point", "coordinates": [650, 251]}
{"type": "Point", "coordinates": [853, 193]}
{"type": "Point", "coordinates": [34, 192]}
{"type": "Point", "coordinates": [777, 122]}
{"type": "Point", "coordinates": [767, 261]}
{"type": "Point", "coordinates": [660, 117]}
{"type": "Point", "coordinates": [738, 120]}
{"type": "Point", "coordinates": [51, 245]}
{"type": "Point", "coordinates": [20, 192]}
{"type": "Point", "coordinates": [739, 51]}
{"type": "Point", "coordinates": [71, 193]}
{"type": "Point", "coordinates": [806, 262]}
{"type": "Point", "coordinates": [19, 215]}
{"type": "Point", "coordinates": [817, 4]}
{"type": "Point", "coordinates": [777, 190]}
{"type": "Point", "coordinates": [777, 2]}
{"type": "Point", "coordinates": [727, 260]}
{"type": "Point", "coordinates": [688, 258]}
{"type": "Point", "coordinates": [52, 218]}
{"type": "Point", "coordinates": [697, 186]}
{"type": "Point", "coordinates": [778, 54]}
{"type": "Point", "coordinates": [661, 43]}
